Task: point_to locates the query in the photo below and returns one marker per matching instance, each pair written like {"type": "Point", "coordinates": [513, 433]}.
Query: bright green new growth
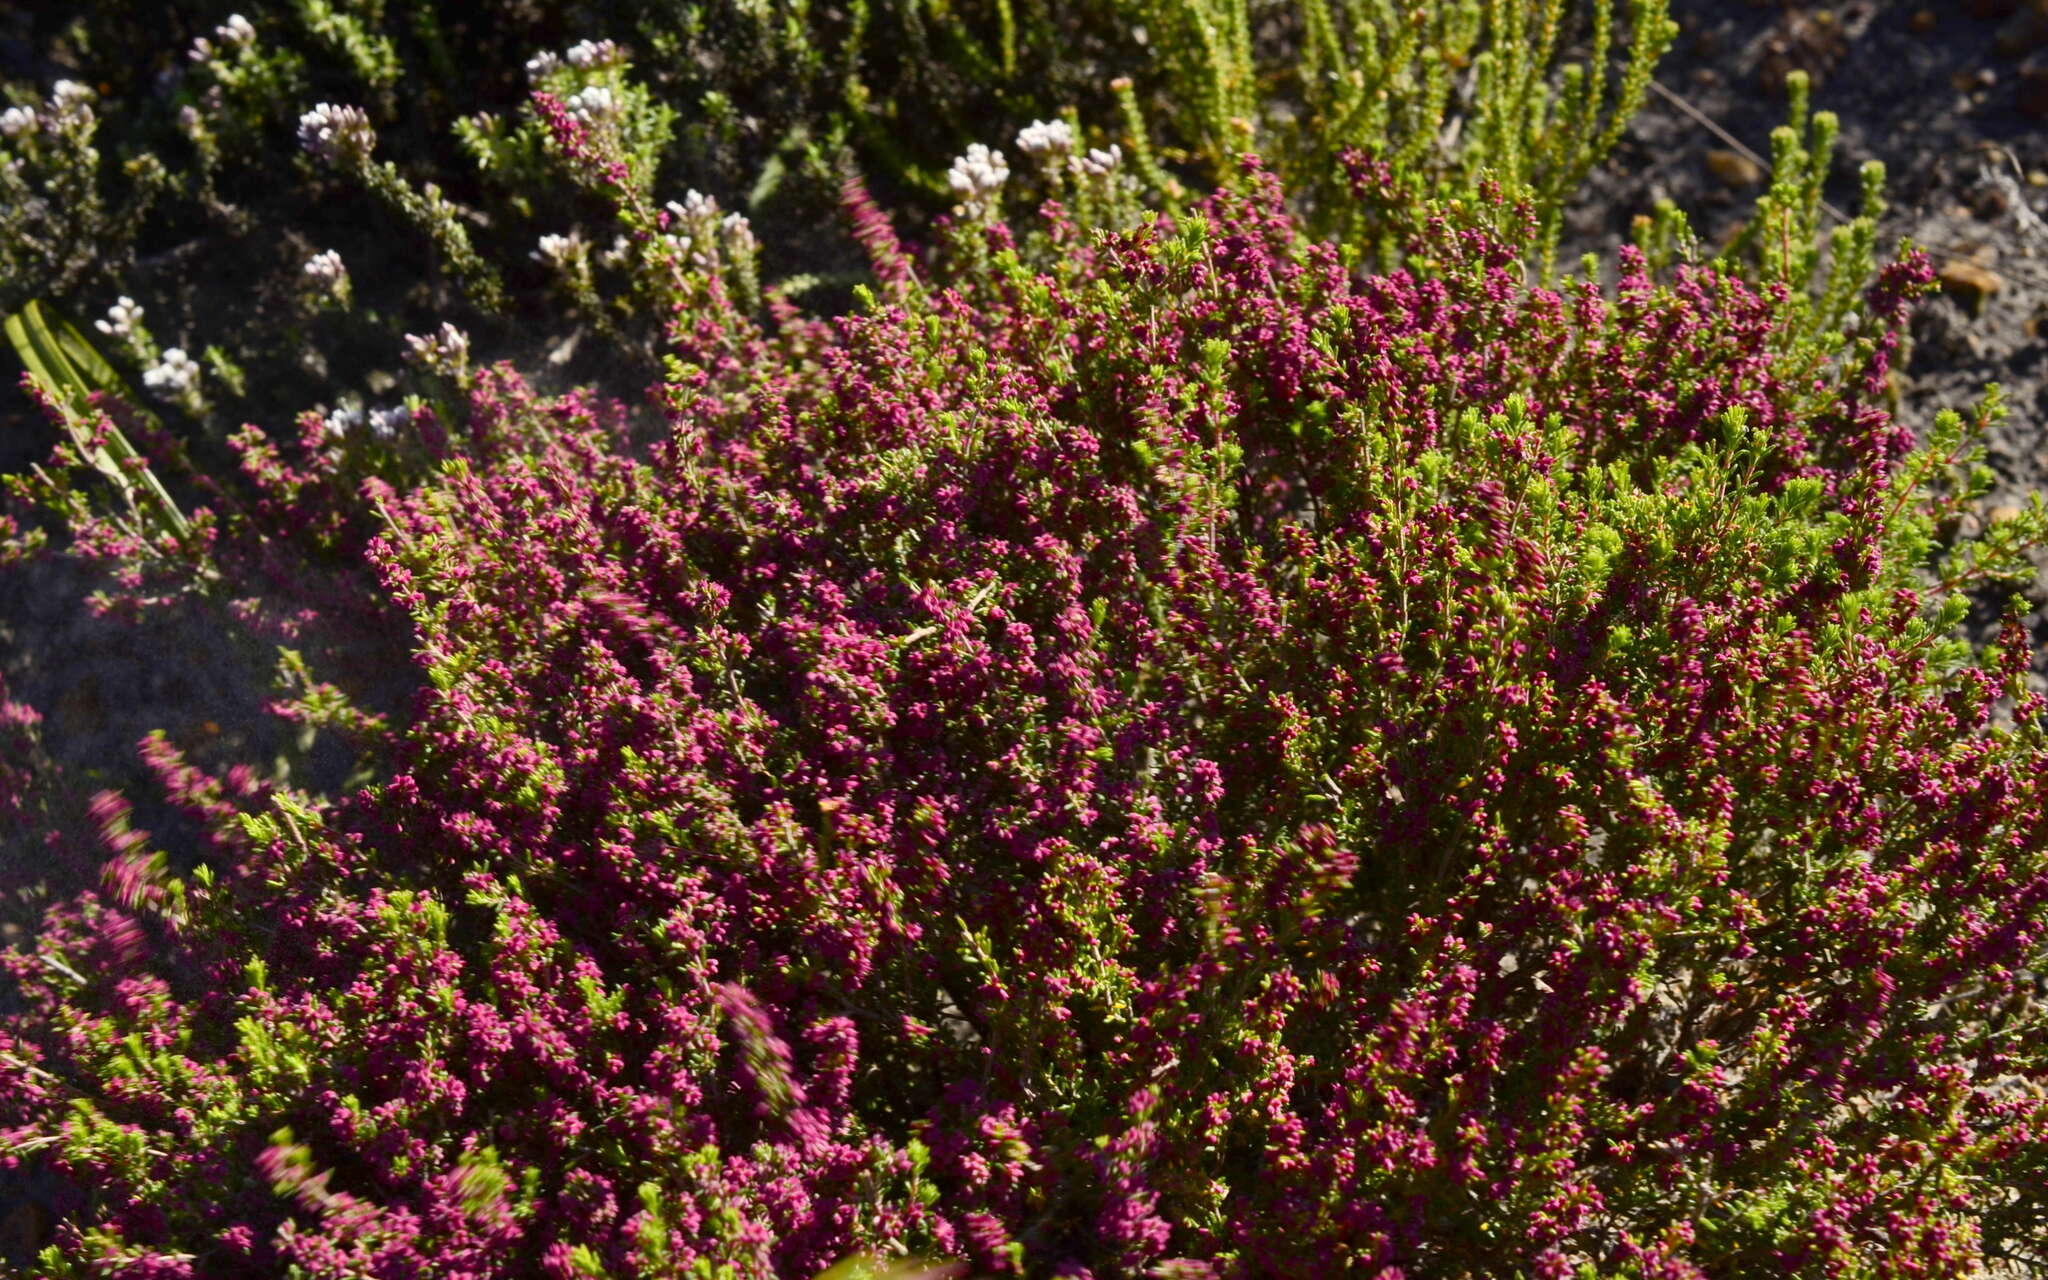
{"type": "Point", "coordinates": [1449, 94]}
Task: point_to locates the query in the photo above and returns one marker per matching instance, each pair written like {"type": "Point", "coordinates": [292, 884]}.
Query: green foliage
{"type": "Point", "coordinates": [70, 372]}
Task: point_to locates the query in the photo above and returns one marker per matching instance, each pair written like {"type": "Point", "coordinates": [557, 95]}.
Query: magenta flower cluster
{"type": "Point", "coordinates": [1170, 758]}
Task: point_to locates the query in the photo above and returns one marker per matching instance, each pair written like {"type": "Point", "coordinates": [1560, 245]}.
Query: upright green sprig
{"type": "Point", "coordinates": [1450, 95]}
{"type": "Point", "coordinates": [342, 136]}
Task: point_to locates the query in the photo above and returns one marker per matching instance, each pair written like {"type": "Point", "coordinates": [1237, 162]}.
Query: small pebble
{"type": "Point", "coordinates": [1734, 169]}
{"type": "Point", "coordinates": [1970, 284]}
{"type": "Point", "coordinates": [2032, 97]}
{"type": "Point", "coordinates": [2023, 33]}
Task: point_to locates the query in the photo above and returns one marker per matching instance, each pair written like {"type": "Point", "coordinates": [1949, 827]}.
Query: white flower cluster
{"type": "Point", "coordinates": [343, 420]}
{"type": "Point", "coordinates": [1100, 162]}
{"type": "Point", "coordinates": [446, 350]}
{"type": "Point", "coordinates": [696, 207]}
{"type": "Point", "coordinates": [121, 319]}
{"type": "Point", "coordinates": [16, 121]}
{"type": "Point", "coordinates": [583, 55]}
{"type": "Point", "coordinates": [236, 32]}
{"type": "Point", "coordinates": [700, 229]}
{"type": "Point", "coordinates": [592, 103]}
{"type": "Point", "coordinates": [560, 251]}
{"type": "Point", "coordinates": [172, 376]}
{"type": "Point", "coordinates": [1046, 141]}
{"type": "Point", "coordinates": [70, 104]}
{"type": "Point", "coordinates": [738, 234]}
{"type": "Point", "coordinates": [976, 178]}
{"type": "Point", "coordinates": [386, 423]}
{"type": "Point", "coordinates": [337, 133]}
{"type": "Point", "coordinates": [326, 268]}
{"type": "Point", "coordinates": [592, 53]}
{"type": "Point", "coordinates": [1049, 142]}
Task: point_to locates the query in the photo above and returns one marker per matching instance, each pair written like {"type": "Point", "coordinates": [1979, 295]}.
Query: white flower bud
{"type": "Point", "coordinates": [738, 234]}
{"type": "Point", "coordinates": [337, 133]}
{"type": "Point", "coordinates": [977, 176]}
{"type": "Point", "coordinates": [697, 208]}
{"type": "Point", "coordinates": [236, 31]}
{"type": "Point", "coordinates": [386, 423]}
{"type": "Point", "coordinates": [70, 104]}
{"type": "Point", "coordinates": [173, 375]}
{"type": "Point", "coordinates": [326, 268]}
{"type": "Point", "coordinates": [1046, 140]}
{"type": "Point", "coordinates": [121, 319]}
{"type": "Point", "coordinates": [592, 53]}
{"type": "Point", "coordinates": [446, 350]}
{"type": "Point", "coordinates": [343, 420]}
{"type": "Point", "coordinates": [16, 121]}
{"type": "Point", "coordinates": [592, 103]}
{"type": "Point", "coordinates": [1100, 162]}
{"type": "Point", "coordinates": [559, 251]}
{"type": "Point", "coordinates": [542, 65]}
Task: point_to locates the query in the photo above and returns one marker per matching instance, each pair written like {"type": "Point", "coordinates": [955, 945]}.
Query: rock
{"type": "Point", "coordinates": [1922, 22]}
{"type": "Point", "coordinates": [1969, 283]}
{"type": "Point", "coordinates": [2003, 513]}
{"type": "Point", "coordinates": [1734, 169]}
{"type": "Point", "coordinates": [25, 1229]}
{"type": "Point", "coordinates": [2032, 96]}
{"type": "Point", "coordinates": [2025, 31]}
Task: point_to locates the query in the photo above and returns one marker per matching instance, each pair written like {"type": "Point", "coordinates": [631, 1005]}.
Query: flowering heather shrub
{"type": "Point", "coordinates": [1186, 762]}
